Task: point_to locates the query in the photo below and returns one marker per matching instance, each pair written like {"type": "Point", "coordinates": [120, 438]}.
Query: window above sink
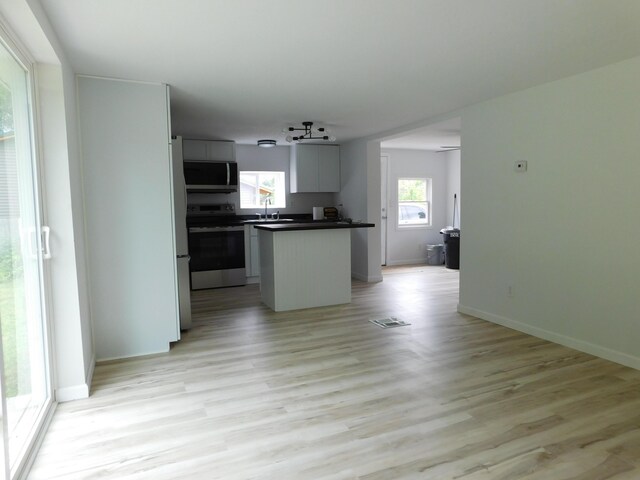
{"type": "Point", "coordinates": [259, 186]}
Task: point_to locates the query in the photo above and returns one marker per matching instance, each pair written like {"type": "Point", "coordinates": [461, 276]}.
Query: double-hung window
{"type": "Point", "coordinates": [414, 202]}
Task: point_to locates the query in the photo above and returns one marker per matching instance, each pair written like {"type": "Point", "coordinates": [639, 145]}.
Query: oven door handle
{"type": "Point", "coordinates": [228, 173]}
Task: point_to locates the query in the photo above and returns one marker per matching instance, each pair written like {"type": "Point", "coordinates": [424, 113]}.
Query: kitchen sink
{"type": "Point", "coordinates": [269, 220]}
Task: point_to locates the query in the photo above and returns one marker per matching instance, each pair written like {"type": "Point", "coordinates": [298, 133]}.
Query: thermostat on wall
{"type": "Point", "coordinates": [521, 166]}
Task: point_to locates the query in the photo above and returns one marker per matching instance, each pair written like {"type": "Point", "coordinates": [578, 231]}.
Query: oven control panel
{"type": "Point", "coordinates": [195, 209]}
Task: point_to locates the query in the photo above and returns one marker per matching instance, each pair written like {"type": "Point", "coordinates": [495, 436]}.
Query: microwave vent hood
{"type": "Point", "coordinates": [211, 177]}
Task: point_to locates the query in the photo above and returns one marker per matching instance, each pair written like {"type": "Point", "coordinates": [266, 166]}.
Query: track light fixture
{"type": "Point", "coordinates": [310, 133]}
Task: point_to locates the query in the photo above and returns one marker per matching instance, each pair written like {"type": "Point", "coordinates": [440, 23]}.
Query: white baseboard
{"type": "Point", "coordinates": [415, 261]}
{"type": "Point", "coordinates": [142, 354]}
{"type": "Point", "coordinates": [581, 345]}
{"type": "Point", "coordinates": [77, 392]}
{"type": "Point", "coordinates": [366, 278]}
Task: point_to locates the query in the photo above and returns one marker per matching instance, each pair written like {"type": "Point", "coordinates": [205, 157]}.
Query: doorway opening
{"type": "Point", "coordinates": [420, 175]}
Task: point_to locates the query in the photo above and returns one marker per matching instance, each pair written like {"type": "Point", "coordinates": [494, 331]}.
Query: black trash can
{"type": "Point", "coordinates": [451, 247]}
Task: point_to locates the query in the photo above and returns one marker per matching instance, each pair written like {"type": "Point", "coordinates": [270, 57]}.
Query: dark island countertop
{"type": "Point", "coordinates": [288, 227]}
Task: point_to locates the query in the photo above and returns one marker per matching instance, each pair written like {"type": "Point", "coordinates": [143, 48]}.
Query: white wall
{"type": "Point", "coordinates": [69, 299]}
{"type": "Point", "coordinates": [254, 158]}
{"type": "Point", "coordinates": [360, 196]}
{"type": "Point", "coordinates": [408, 244]}
{"type": "Point", "coordinates": [564, 235]}
{"type": "Point", "coordinates": [452, 160]}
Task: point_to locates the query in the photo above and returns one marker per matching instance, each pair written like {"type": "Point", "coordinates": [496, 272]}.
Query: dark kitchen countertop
{"type": "Point", "coordinates": [320, 225]}
{"type": "Point", "coordinates": [239, 220]}
{"type": "Point", "coordinates": [233, 220]}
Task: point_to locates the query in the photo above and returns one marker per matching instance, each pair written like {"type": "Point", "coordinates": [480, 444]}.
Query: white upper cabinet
{"type": "Point", "coordinates": [315, 168]}
{"type": "Point", "coordinates": [328, 168]}
{"type": "Point", "coordinates": [212, 150]}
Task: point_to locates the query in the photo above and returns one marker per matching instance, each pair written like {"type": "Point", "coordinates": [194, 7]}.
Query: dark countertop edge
{"type": "Point", "coordinates": [303, 217]}
{"type": "Point", "coordinates": [250, 220]}
{"type": "Point", "coordinates": [286, 227]}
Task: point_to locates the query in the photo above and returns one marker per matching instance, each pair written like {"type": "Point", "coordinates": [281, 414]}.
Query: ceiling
{"type": "Point", "coordinates": [436, 137]}
{"type": "Point", "coordinates": [244, 69]}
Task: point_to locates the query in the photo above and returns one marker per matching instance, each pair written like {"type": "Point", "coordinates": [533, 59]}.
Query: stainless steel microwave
{"type": "Point", "coordinates": [211, 177]}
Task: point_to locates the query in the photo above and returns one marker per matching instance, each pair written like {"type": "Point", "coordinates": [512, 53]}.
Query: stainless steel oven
{"type": "Point", "coordinates": [217, 256]}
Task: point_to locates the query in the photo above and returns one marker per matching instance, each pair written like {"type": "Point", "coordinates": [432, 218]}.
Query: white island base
{"type": "Point", "coordinates": [305, 268]}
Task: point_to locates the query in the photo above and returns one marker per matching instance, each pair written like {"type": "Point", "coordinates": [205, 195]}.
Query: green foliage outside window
{"type": "Point", "coordinates": [412, 190]}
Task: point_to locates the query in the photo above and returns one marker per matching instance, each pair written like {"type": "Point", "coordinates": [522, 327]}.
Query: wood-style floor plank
{"type": "Point", "coordinates": [323, 394]}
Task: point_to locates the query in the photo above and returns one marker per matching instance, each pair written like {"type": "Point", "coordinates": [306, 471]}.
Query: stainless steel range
{"type": "Point", "coordinates": [216, 246]}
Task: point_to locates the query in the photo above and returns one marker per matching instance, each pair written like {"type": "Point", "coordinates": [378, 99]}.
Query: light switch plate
{"type": "Point", "coordinates": [520, 166]}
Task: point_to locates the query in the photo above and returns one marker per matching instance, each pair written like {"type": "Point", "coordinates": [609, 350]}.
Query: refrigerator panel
{"type": "Point", "coordinates": [184, 293]}
{"type": "Point", "coordinates": [179, 198]}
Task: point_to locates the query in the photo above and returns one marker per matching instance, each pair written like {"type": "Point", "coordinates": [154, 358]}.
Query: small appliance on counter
{"type": "Point", "coordinates": [331, 213]}
{"type": "Point", "coordinates": [326, 213]}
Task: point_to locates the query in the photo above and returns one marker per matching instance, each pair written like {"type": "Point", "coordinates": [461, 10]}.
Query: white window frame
{"type": "Point", "coordinates": [283, 198]}
{"type": "Point", "coordinates": [428, 194]}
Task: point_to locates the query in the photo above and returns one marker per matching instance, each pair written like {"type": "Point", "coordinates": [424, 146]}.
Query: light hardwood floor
{"type": "Point", "coordinates": [324, 394]}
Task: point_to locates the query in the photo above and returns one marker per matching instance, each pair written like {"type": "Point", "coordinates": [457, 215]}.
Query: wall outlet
{"type": "Point", "coordinates": [520, 166]}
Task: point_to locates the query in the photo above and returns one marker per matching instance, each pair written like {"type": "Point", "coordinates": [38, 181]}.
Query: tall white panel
{"type": "Point", "coordinates": [128, 202]}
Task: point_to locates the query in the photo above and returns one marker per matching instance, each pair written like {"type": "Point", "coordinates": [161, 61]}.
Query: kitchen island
{"type": "Point", "coordinates": [305, 265]}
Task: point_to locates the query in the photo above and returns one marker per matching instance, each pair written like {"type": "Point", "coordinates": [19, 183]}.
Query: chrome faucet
{"type": "Point", "coordinates": [266, 202]}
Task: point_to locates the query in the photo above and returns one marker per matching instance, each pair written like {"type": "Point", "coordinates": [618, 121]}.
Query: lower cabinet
{"type": "Point", "coordinates": [251, 254]}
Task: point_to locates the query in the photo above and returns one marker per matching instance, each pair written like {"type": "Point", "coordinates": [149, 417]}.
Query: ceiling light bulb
{"type": "Point", "coordinates": [289, 138]}
{"type": "Point", "coordinates": [332, 138]}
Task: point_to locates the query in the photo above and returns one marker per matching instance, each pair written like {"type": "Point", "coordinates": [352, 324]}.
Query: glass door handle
{"type": "Point", "coordinates": [46, 247]}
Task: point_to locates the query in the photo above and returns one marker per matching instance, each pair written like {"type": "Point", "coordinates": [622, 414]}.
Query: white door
{"type": "Point", "coordinates": [24, 366]}
{"type": "Point", "coordinates": [384, 166]}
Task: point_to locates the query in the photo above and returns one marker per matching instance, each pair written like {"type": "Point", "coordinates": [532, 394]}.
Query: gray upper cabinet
{"type": "Point", "coordinates": [209, 150]}
{"type": "Point", "coordinates": [315, 168]}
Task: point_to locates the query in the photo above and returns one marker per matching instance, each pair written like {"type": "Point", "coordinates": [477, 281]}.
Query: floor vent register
{"type": "Point", "coordinates": [389, 322]}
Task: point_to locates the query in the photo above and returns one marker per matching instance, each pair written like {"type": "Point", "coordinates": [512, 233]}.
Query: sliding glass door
{"type": "Point", "coordinates": [25, 385]}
